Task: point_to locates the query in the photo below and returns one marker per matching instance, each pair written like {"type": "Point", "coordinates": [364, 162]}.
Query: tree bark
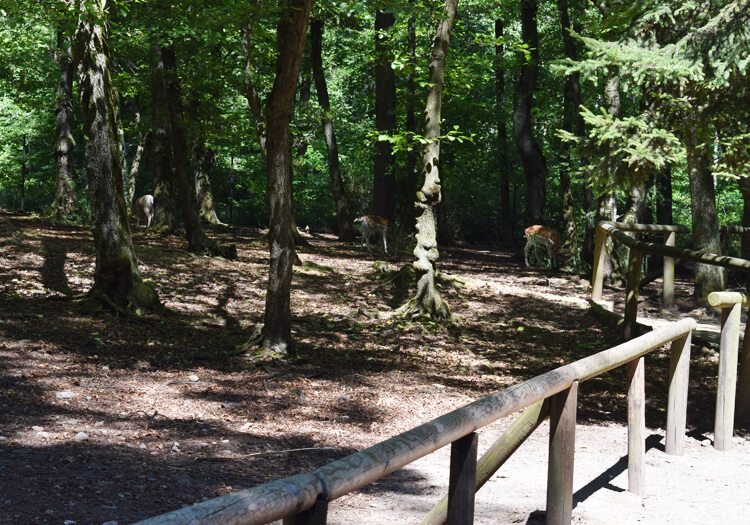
{"type": "Point", "coordinates": [198, 242]}
{"type": "Point", "coordinates": [165, 212]}
{"type": "Point", "coordinates": [346, 232]}
{"type": "Point", "coordinates": [705, 221]}
{"type": "Point", "coordinates": [204, 160]}
{"type": "Point", "coordinates": [571, 104]}
{"type": "Point", "coordinates": [291, 36]}
{"type": "Point", "coordinates": [384, 177]}
{"type": "Point", "coordinates": [117, 281]}
{"type": "Point", "coordinates": [506, 222]}
{"type": "Point", "coordinates": [534, 163]}
{"type": "Point", "coordinates": [409, 188]}
{"type": "Point", "coordinates": [65, 195]}
{"type": "Point", "coordinates": [427, 300]}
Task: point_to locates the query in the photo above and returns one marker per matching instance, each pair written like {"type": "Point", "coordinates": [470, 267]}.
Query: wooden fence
{"type": "Point", "coordinates": [304, 498]}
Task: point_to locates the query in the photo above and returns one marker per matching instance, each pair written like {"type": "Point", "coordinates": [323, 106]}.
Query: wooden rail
{"type": "Point", "coordinates": [637, 248]}
{"type": "Point", "coordinates": [303, 499]}
{"type": "Point", "coordinates": [726, 389]}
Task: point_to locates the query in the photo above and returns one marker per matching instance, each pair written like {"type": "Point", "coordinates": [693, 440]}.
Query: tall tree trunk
{"type": "Point", "coordinates": [705, 221]}
{"type": "Point", "coordinates": [198, 242]}
{"type": "Point", "coordinates": [24, 169]}
{"type": "Point", "coordinates": [117, 281]}
{"type": "Point", "coordinates": [534, 163]}
{"type": "Point", "coordinates": [65, 194]}
{"type": "Point", "coordinates": [427, 300]}
{"type": "Point", "coordinates": [506, 222]}
{"type": "Point", "coordinates": [571, 109]}
{"type": "Point", "coordinates": [384, 177]}
{"type": "Point", "coordinates": [606, 209]}
{"type": "Point", "coordinates": [165, 211]}
{"type": "Point", "coordinates": [251, 94]}
{"type": "Point", "coordinates": [346, 232]}
{"type": "Point", "coordinates": [291, 36]}
{"type": "Point", "coordinates": [204, 160]}
{"type": "Point", "coordinates": [408, 189]}
{"type": "Point", "coordinates": [135, 167]}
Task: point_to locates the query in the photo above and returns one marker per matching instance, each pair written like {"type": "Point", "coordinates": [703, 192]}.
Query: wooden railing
{"type": "Point", "coordinates": [304, 498]}
{"type": "Point", "coordinates": [729, 302]}
{"type": "Point", "coordinates": [637, 249]}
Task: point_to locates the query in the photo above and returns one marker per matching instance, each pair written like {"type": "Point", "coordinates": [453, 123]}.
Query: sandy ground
{"type": "Point", "coordinates": [703, 486]}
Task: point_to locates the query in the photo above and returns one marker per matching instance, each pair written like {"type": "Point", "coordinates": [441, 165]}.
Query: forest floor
{"type": "Point", "coordinates": [108, 419]}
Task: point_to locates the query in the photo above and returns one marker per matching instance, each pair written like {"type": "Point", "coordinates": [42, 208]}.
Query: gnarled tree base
{"type": "Point", "coordinates": [260, 345]}
{"type": "Point", "coordinates": [142, 298]}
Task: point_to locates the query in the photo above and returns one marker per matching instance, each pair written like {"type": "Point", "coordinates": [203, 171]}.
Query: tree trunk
{"type": "Point", "coordinates": [346, 232]}
{"type": "Point", "coordinates": [135, 167]}
{"type": "Point", "coordinates": [251, 94]}
{"type": "Point", "coordinates": [408, 189]}
{"type": "Point", "coordinates": [571, 105]}
{"type": "Point", "coordinates": [506, 223]}
{"type": "Point", "coordinates": [198, 242]}
{"type": "Point", "coordinates": [165, 212]}
{"type": "Point", "coordinates": [291, 32]}
{"type": "Point", "coordinates": [204, 160]}
{"type": "Point", "coordinates": [427, 300]}
{"type": "Point", "coordinates": [663, 181]}
{"type": "Point", "coordinates": [534, 163]}
{"type": "Point", "coordinates": [607, 203]}
{"type": "Point", "coordinates": [117, 281]}
{"type": "Point", "coordinates": [65, 194]}
{"type": "Point", "coordinates": [705, 221]}
{"type": "Point", "coordinates": [384, 177]}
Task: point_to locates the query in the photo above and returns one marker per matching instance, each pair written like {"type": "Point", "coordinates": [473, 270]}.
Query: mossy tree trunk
{"type": "Point", "coordinates": [291, 36]}
{"type": "Point", "coordinates": [117, 281]}
{"type": "Point", "coordinates": [204, 160]}
{"type": "Point", "coordinates": [427, 300]}
{"type": "Point", "coordinates": [65, 195]}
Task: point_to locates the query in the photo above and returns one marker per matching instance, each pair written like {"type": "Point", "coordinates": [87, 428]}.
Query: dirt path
{"type": "Point", "coordinates": [105, 419]}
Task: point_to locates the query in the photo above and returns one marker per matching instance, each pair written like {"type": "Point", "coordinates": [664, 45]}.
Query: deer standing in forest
{"type": "Point", "coordinates": [542, 235]}
{"type": "Point", "coordinates": [143, 207]}
{"type": "Point", "coordinates": [374, 225]}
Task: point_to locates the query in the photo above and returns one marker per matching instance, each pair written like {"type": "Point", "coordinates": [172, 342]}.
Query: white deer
{"type": "Point", "coordinates": [542, 235]}
{"type": "Point", "coordinates": [374, 225]}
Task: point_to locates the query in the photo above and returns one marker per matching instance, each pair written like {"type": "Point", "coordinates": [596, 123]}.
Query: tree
{"type": "Point", "coordinates": [65, 197]}
{"type": "Point", "coordinates": [291, 35]}
{"type": "Point", "coordinates": [384, 176]}
{"type": "Point", "coordinates": [204, 160]}
{"type": "Point", "coordinates": [346, 232]}
{"type": "Point", "coordinates": [427, 300]}
{"type": "Point", "coordinates": [198, 241]}
{"type": "Point", "coordinates": [534, 162]}
{"type": "Point", "coordinates": [117, 280]}
{"type": "Point", "coordinates": [506, 223]}
{"type": "Point", "coordinates": [165, 212]}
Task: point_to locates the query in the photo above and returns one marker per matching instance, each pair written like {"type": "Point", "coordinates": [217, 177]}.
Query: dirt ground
{"type": "Point", "coordinates": [109, 419]}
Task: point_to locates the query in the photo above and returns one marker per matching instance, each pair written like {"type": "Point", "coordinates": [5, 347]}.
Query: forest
{"type": "Point", "coordinates": [191, 298]}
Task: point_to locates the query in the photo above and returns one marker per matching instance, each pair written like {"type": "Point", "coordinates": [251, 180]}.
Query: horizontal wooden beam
{"type": "Point", "coordinates": [288, 496]}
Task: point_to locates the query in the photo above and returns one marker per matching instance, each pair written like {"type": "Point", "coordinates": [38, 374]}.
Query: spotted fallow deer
{"type": "Point", "coordinates": [542, 235]}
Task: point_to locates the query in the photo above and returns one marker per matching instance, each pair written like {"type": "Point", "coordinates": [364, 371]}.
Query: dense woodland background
{"type": "Point", "coordinates": [560, 113]}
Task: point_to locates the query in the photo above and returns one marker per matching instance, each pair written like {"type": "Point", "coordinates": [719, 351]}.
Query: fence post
{"type": "Point", "coordinates": [463, 478]}
{"type": "Point", "coordinates": [562, 444]}
{"type": "Point", "coordinates": [668, 273]}
{"type": "Point", "coordinates": [727, 384]}
{"type": "Point", "coordinates": [597, 276]}
{"type": "Point", "coordinates": [630, 326]}
{"type": "Point", "coordinates": [679, 371]}
{"type": "Point", "coordinates": [315, 515]}
{"type": "Point", "coordinates": [636, 426]}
